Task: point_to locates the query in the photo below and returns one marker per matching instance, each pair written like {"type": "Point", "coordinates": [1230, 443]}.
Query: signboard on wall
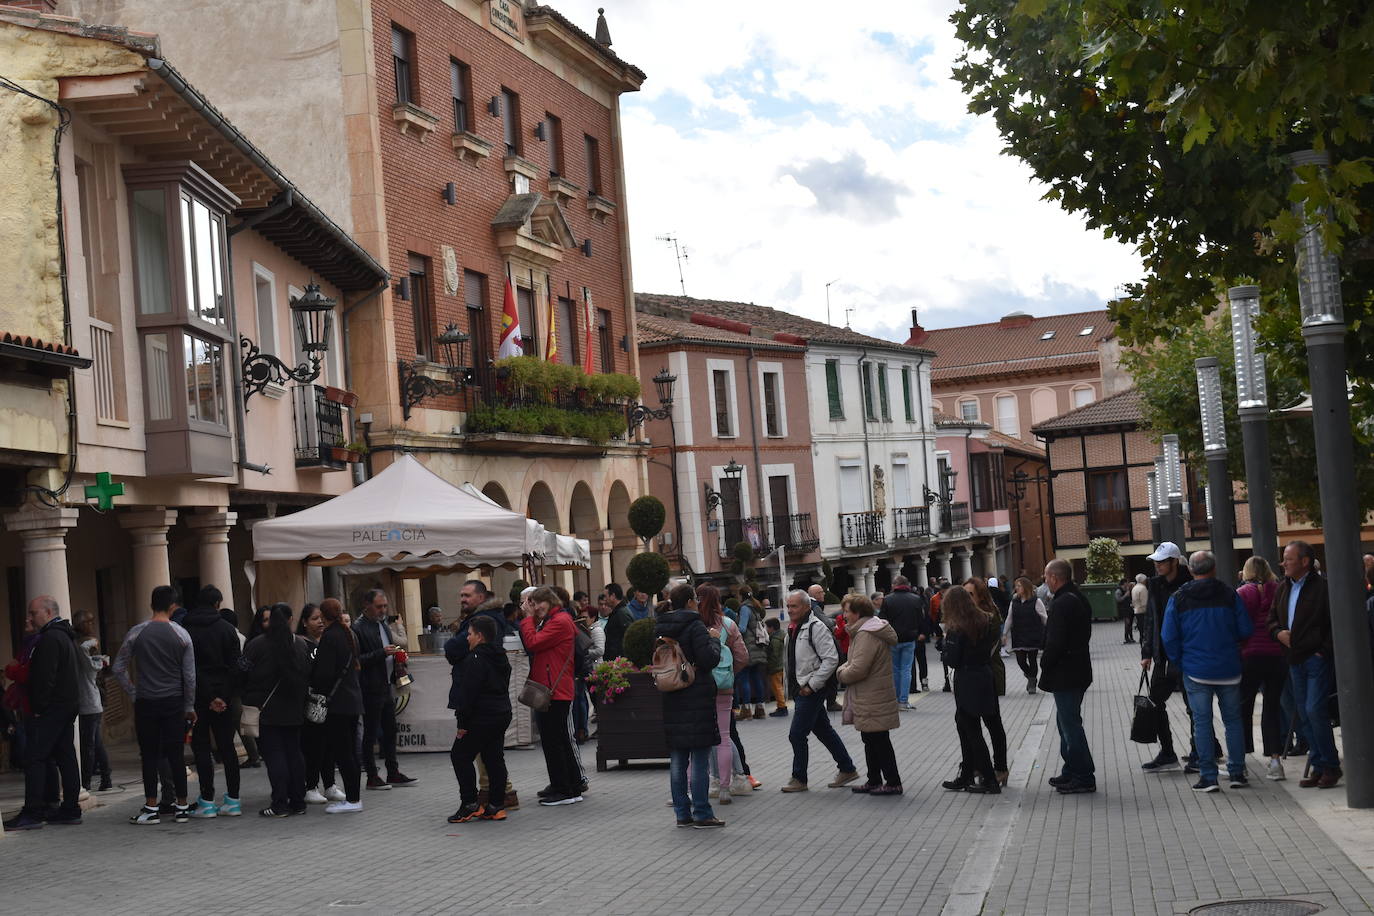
{"type": "Point", "coordinates": [507, 16]}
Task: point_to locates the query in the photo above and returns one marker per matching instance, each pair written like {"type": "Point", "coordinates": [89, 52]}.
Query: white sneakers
{"type": "Point", "coordinates": [740, 785]}
{"type": "Point", "coordinates": [343, 807]}
{"type": "Point", "coordinates": [715, 788]}
{"type": "Point", "coordinates": [1275, 770]}
{"type": "Point", "coordinates": [313, 797]}
{"type": "Point", "coordinates": [334, 793]}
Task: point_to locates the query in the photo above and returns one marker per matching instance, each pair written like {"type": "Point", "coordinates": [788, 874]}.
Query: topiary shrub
{"type": "Point", "coordinates": [648, 572]}
{"type": "Point", "coordinates": [646, 516]}
{"type": "Point", "coordinates": [1104, 561]}
{"type": "Point", "coordinates": [638, 645]}
{"type": "Point", "coordinates": [518, 586]}
{"type": "Point", "coordinates": [744, 552]}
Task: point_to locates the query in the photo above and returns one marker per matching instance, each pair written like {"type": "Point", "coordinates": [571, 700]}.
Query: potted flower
{"type": "Point", "coordinates": [629, 708]}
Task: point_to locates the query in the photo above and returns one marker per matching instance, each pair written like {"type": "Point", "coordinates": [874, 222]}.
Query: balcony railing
{"type": "Point", "coordinates": [862, 529]}
{"type": "Point", "coordinates": [751, 530]}
{"type": "Point", "coordinates": [319, 429]}
{"type": "Point", "coordinates": [912, 523]}
{"type": "Point", "coordinates": [954, 519]}
{"type": "Point", "coordinates": [795, 532]}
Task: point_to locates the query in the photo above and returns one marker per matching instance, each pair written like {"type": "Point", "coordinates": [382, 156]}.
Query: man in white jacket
{"type": "Point", "coordinates": [811, 659]}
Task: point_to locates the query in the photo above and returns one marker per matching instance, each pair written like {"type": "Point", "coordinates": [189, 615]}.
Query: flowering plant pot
{"type": "Point", "coordinates": [631, 727]}
{"type": "Point", "coordinates": [610, 679]}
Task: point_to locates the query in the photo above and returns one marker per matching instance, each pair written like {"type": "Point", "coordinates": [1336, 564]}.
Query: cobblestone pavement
{"type": "Point", "coordinates": [1140, 845]}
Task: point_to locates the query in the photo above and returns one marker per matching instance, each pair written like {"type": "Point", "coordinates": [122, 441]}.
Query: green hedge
{"type": "Point", "coordinates": [541, 377]}
{"type": "Point", "coordinates": [599, 426]}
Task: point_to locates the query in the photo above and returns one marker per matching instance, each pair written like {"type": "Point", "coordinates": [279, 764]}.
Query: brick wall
{"type": "Point", "coordinates": [1066, 454]}
{"type": "Point", "coordinates": [1139, 448]}
{"type": "Point", "coordinates": [1104, 450]}
{"type": "Point", "coordinates": [1070, 493]}
{"type": "Point", "coordinates": [418, 219]}
{"type": "Point", "coordinates": [1070, 531]}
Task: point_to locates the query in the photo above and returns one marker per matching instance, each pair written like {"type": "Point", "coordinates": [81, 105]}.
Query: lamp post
{"type": "Point", "coordinates": [313, 316]}
{"type": "Point", "coordinates": [1152, 489]}
{"type": "Point", "coordinates": [416, 386]}
{"type": "Point", "coordinates": [1221, 512]}
{"type": "Point", "coordinates": [1252, 396]}
{"type": "Point", "coordinates": [1172, 490]}
{"type": "Point", "coordinates": [1323, 329]}
{"type": "Point", "coordinates": [715, 498]}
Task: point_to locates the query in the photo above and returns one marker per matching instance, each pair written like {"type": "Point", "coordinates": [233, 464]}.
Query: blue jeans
{"type": "Point", "coordinates": [1200, 704]}
{"type": "Point", "coordinates": [1312, 685]}
{"type": "Point", "coordinates": [903, 656]}
{"type": "Point", "coordinates": [697, 805]}
{"type": "Point", "coordinates": [809, 718]}
{"type": "Point", "coordinates": [1073, 741]}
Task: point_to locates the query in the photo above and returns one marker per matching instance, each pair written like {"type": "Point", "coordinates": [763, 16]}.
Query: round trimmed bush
{"type": "Point", "coordinates": [638, 646]}
{"type": "Point", "coordinates": [647, 515]}
{"type": "Point", "coordinates": [648, 572]}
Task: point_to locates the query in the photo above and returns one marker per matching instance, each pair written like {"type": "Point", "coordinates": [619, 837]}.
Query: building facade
{"type": "Point", "coordinates": [184, 250]}
{"type": "Point", "coordinates": [737, 429]}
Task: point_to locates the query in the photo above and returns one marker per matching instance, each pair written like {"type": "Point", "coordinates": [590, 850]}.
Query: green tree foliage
{"type": "Point", "coordinates": [638, 645]}
{"type": "Point", "coordinates": [1104, 561]}
{"type": "Point", "coordinates": [1168, 125]}
{"type": "Point", "coordinates": [648, 572]}
{"type": "Point", "coordinates": [1167, 381]}
{"type": "Point", "coordinates": [646, 516]}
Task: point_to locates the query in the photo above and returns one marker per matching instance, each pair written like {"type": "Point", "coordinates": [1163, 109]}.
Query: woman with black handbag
{"type": "Point", "coordinates": [335, 680]}
{"type": "Point", "coordinates": [550, 635]}
{"type": "Point", "coordinates": [277, 667]}
{"type": "Point", "coordinates": [971, 637]}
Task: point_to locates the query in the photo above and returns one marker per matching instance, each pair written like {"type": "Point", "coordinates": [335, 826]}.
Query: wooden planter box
{"type": "Point", "coordinates": [631, 728]}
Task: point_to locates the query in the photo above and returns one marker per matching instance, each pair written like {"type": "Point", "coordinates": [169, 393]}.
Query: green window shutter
{"type": "Point", "coordinates": [906, 394]}
{"type": "Point", "coordinates": [832, 389]}
{"type": "Point", "coordinates": [882, 391]}
{"type": "Point", "coordinates": [866, 389]}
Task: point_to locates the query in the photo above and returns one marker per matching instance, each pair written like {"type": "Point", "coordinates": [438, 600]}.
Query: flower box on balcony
{"type": "Point", "coordinates": [339, 453]}
{"type": "Point", "coordinates": [340, 396]}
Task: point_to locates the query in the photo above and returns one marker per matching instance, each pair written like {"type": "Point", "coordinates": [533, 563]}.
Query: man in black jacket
{"type": "Point", "coordinates": [615, 609]}
{"type": "Point", "coordinates": [483, 712]}
{"type": "Point", "coordinates": [216, 646]}
{"type": "Point", "coordinates": [1066, 670]}
{"type": "Point", "coordinates": [903, 609]}
{"type": "Point", "coordinates": [375, 673]}
{"type": "Point", "coordinates": [49, 728]}
{"type": "Point", "coordinates": [477, 602]}
{"type": "Point", "coordinates": [1171, 573]}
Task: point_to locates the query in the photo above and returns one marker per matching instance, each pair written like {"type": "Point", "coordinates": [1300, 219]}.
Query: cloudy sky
{"type": "Point", "coordinates": [789, 145]}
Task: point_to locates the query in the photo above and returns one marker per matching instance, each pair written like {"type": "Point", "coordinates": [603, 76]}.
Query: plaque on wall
{"type": "Point", "coordinates": [507, 16]}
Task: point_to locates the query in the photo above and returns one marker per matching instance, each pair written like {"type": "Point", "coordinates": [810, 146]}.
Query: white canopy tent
{"type": "Point", "coordinates": [405, 518]}
{"type": "Point", "coordinates": [559, 551]}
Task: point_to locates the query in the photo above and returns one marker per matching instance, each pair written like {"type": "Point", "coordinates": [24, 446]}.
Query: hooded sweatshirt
{"type": "Point", "coordinates": [216, 644]}
{"type": "Point", "coordinates": [483, 700]}
{"type": "Point", "coordinates": [52, 684]}
{"type": "Point", "coordinates": [1204, 624]}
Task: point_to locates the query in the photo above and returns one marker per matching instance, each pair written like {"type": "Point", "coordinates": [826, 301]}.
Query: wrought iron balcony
{"type": "Point", "coordinates": [912, 523]}
{"type": "Point", "coordinates": [751, 530]}
{"type": "Point", "coordinates": [954, 520]}
{"type": "Point", "coordinates": [320, 441]}
{"type": "Point", "coordinates": [795, 532]}
{"type": "Point", "coordinates": [862, 529]}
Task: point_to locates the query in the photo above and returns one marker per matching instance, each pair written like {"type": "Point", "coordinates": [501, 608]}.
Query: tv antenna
{"type": "Point", "coordinates": [680, 253]}
{"type": "Point", "coordinates": [827, 298]}
{"type": "Point", "coordinates": [847, 313]}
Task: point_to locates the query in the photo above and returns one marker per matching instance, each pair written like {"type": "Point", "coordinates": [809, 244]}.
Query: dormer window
{"type": "Point", "coordinates": [1048, 335]}
{"type": "Point", "coordinates": [1086, 331]}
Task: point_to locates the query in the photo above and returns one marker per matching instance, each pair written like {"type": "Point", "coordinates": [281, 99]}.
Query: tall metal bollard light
{"type": "Point", "coordinates": [1221, 511]}
{"type": "Point", "coordinates": [1173, 491]}
{"type": "Point", "coordinates": [1152, 489]}
{"type": "Point", "coordinates": [1252, 396]}
{"type": "Point", "coordinates": [1323, 329]}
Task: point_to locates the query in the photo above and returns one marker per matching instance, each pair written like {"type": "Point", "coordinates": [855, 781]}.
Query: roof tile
{"type": "Point", "coordinates": [656, 329]}
{"type": "Point", "coordinates": [981, 349]}
{"type": "Point", "coordinates": [1117, 410]}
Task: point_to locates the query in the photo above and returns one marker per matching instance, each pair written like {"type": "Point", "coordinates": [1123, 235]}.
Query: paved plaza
{"type": "Point", "coordinates": [1142, 844]}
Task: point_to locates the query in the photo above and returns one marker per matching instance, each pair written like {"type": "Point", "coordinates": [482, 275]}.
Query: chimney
{"type": "Point", "coordinates": [603, 31]}
{"type": "Point", "coordinates": [1015, 320]}
{"type": "Point", "coordinates": [918, 333]}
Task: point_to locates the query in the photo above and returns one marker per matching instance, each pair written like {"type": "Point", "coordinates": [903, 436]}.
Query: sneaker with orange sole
{"type": "Point", "coordinates": [754, 783]}
{"type": "Point", "coordinates": [493, 814]}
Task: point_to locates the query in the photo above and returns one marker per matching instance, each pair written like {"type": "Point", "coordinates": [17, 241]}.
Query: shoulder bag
{"type": "Point", "coordinates": [249, 721]}
{"type": "Point", "coordinates": [317, 704]}
{"type": "Point", "coordinates": [538, 696]}
{"type": "Point", "coordinates": [1144, 723]}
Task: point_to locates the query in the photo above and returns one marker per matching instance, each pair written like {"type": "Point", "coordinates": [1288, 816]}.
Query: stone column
{"type": "Point", "coordinates": [411, 613]}
{"type": "Point", "coordinates": [213, 529]}
{"type": "Point", "coordinates": [942, 569]}
{"type": "Point", "coordinates": [894, 569]}
{"type": "Point", "coordinates": [963, 563]}
{"type": "Point", "coordinates": [43, 536]}
{"type": "Point", "coordinates": [600, 545]}
{"type": "Point", "coordinates": [922, 579]}
{"type": "Point", "coordinates": [148, 529]}
{"type": "Point", "coordinates": [989, 553]}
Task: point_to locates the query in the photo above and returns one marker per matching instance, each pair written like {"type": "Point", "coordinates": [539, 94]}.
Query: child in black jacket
{"type": "Point", "coordinates": [483, 713]}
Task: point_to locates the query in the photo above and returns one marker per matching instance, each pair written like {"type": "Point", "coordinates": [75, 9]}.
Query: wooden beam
{"type": "Point", "coordinates": [99, 88]}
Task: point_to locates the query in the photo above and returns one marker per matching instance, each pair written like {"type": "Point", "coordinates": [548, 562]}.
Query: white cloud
{"type": "Point", "coordinates": [789, 146]}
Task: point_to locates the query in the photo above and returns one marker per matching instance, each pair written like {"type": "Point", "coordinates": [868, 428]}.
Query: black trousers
{"type": "Point", "coordinates": [220, 725]}
{"type": "Point", "coordinates": [971, 743]}
{"type": "Point", "coordinates": [880, 758]}
{"type": "Point", "coordinates": [342, 732]}
{"type": "Point", "coordinates": [1163, 682]}
{"type": "Point", "coordinates": [1129, 618]}
{"type": "Point", "coordinates": [319, 763]}
{"type": "Point", "coordinates": [1267, 673]}
{"type": "Point", "coordinates": [50, 740]}
{"type": "Point", "coordinates": [160, 725]}
{"type": "Point", "coordinates": [555, 737]}
{"type": "Point", "coordinates": [379, 721]}
{"type": "Point", "coordinates": [739, 746]}
{"type": "Point", "coordinates": [94, 760]}
{"type": "Point", "coordinates": [488, 743]}
{"type": "Point", "coordinates": [1028, 660]}
{"type": "Point", "coordinates": [920, 662]}
{"type": "Point", "coordinates": [281, 752]}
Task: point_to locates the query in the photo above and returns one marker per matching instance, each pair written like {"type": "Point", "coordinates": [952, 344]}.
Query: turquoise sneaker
{"type": "Point", "coordinates": [230, 807]}
{"type": "Point", "coordinates": [204, 809]}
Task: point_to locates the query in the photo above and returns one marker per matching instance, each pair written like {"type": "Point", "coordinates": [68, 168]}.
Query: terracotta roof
{"type": "Point", "coordinates": [1011, 443]}
{"type": "Point", "coordinates": [145, 43]}
{"type": "Point", "coordinates": [656, 330]}
{"type": "Point", "coordinates": [37, 343]}
{"type": "Point", "coordinates": [983, 349]}
{"type": "Point", "coordinates": [944, 419]}
{"type": "Point", "coordinates": [1118, 410]}
{"type": "Point", "coordinates": [762, 317]}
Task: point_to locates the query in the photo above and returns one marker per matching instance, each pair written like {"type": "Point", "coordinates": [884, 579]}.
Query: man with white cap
{"type": "Point", "coordinates": [1171, 574]}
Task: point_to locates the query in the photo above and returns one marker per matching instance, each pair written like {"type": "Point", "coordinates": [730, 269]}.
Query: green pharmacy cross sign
{"type": "Point", "coordinates": [104, 491]}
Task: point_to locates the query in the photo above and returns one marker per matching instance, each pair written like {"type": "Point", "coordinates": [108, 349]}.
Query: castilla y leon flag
{"type": "Point", "coordinates": [551, 345]}
{"type": "Point", "coordinates": [587, 363]}
{"type": "Point", "coordinates": [510, 327]}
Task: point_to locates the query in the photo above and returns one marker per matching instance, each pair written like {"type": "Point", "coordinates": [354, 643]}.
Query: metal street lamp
{"type": "Point", "coordinates": [663, 384]}
{"type": "Point", "coordinates": [1323, 329]}
{"type": "Point", "coordinates": [1221, 517]}
{"type": "Point", "coordinates": [313, 316]}
{"type": "Point", "coordinates": [417, 387]}
{"type": "Point", "coordinates": [1152, 491]}
{"type": "Point", "coordinates": [1172, 490]}
{"type": "Point", "coordinates": [1252, 396]}
{"type": "Point", "coordinates": [714, 497]}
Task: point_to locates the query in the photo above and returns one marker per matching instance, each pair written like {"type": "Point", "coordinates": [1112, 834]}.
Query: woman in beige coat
{"type": "Point", "coordinates": [870, 700]}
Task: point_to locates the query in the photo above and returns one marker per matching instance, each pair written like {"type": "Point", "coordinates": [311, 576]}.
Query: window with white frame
{"type": "Point", "coordinates": [722, 398]}
{"type": "Point", "coordinates": [968, 409]}
{"type": "Point", "coordinates": [1008, 420]}
{"type": "Point", "coordinates": [265, 303]}
{"type": "Point", "coordinates": [771, 393]}
{"type": "Point", "coordinates": [1082, 397]}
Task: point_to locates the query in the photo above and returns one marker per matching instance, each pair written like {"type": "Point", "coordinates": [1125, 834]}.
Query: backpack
{"type": "Point", "coordinates": [724, 671]}
{"type": "Point", "coordinates": [761, 634]}
{"type": "Point", "coordinates": [669, 667]}
{"type": "Point", "coordinates": [832, 684]}
{"type": "Point", "coordinates": [582, 653]}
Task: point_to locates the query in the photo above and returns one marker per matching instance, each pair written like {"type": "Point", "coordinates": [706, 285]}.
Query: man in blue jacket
{"type": "Point", "coordinates": [1204, 624]}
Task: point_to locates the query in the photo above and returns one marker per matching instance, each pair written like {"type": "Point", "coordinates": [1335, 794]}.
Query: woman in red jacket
{"type": "Point", "coordinates": [550, 636]}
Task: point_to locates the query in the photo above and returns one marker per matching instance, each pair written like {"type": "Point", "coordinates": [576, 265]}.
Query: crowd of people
{"type": "Point", "coordinates": [312, 694]}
